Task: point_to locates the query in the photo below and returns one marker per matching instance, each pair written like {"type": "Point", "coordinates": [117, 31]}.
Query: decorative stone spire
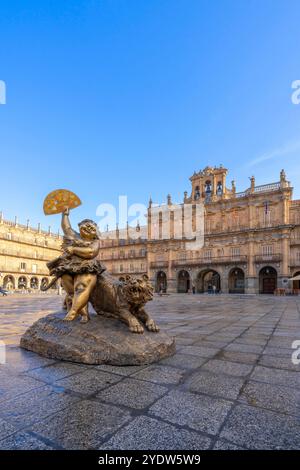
{"type": "Point", "coordinates": [169, 200]}
{"type": "Point", "coordinates": [252, 179]}
{"type": "Point", "coordinates": [233, 188]}
{"type": "Point", "coordinates": [185, 196]}
{"type": "Point", "coordinates": [27, 224]}
{"type": "Point", "coordinates": [150, 203]}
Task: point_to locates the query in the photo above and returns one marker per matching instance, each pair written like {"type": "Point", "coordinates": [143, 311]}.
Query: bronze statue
{"type": "Point", "coordinates": [124, 299]}
{"type": "Point", "coordinates": [78, 267]}
{"type": "Point", "coordinates": [84, 278]}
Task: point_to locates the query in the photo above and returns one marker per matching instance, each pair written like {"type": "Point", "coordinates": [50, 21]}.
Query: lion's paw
{"type": "Point", "coordinates": [136, 328]}
{"type": "Point", "coordinates": [152, 326]}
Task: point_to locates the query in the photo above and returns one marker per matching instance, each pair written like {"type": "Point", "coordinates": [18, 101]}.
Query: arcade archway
{"type": "Point", "coordinates": [208, 281]}
{"type": "Point", "coordinates": [267, 280]}
{"type": "Point", "coordinates": [34, 283]}
{"type": "Point", "coordinates": [296, 284]}
{"type": "Point", "coordinates": [184, 282]}
{"type": "Point", "coordinates": [9, 282]}
{"type": "Point", "coordinates": [22, 282]}
{"type": "Point", "coordinates": [161, 282]}
{"type": "Point", "coordinates": [236, 281]}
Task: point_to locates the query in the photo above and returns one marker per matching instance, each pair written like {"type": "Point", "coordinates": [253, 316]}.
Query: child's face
{"type": "Point", "coordinates": [87, 231]}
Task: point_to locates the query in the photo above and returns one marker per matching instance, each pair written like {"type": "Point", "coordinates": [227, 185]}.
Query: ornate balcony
{"type": "Point", "coordinates": [275, 257]}
{"type": "Point", "coordinates": [294, 263]}
{"type": "Point", "coordinates": [239, 259]}
{"type": "Point", "coordinates": [159, 264]}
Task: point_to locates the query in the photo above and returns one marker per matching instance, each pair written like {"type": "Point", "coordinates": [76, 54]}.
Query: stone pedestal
{"type": "Point", "coordinates": [100, 341]}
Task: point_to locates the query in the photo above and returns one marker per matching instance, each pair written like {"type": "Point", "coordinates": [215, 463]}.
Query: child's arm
{"type": "Point", "coordinates": [66, 226]}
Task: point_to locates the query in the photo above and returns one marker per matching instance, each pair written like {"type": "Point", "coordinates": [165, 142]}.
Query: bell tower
{"type": "Point", "coordinates": [209, 185]}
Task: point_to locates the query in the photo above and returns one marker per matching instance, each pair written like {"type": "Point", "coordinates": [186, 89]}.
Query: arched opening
{"type": "Point", "coordinates": [22, 282]}
{"type": "Point", "coordinates": [236, 281]}
{"type": "Point", "coordinates": [296, 284]}
{"type": "Point", "coordinates": [267, 280]}
{"type": "Point", "coordinates": [183, 285]}
{"type": "Point", "coordinates": [34, 283]}
{"type": "Point", "coordinates": [209, 281]}
{"type": "Point", "coordinates": [44, 282]}
{"type": "Point", "coordinates": [9, 282]}
{"type": "Point", "coordinates": [161, 282]}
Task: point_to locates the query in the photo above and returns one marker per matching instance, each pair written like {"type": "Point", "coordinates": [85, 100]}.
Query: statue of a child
{"type": "Point", "coordinates": [78, 267]}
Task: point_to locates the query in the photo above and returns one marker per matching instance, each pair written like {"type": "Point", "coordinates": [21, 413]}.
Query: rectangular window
{"type": "Point", "coordinates": [121, 268]}
{"type": "Point", "coordinates": [267, 250]}
{"type": "Point", "coordinates": [34, 268]}
{"type": "Point", "coordinates": [207, 254]}
{"type": "Point", "coordinates": [235, 252]}
{"type": "Point", "coordinates": [22, 266]}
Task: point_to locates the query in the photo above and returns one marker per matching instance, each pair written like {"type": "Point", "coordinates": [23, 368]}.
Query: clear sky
{"type": "Point", "coordinates": [112, 97]}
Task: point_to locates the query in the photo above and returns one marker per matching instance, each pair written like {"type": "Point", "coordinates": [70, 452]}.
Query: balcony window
{"type": "Point", "coordinates": [235, 252]}
{"type": "Point", "coordinates": [207, 254]}
{"type": "Point", "coordinates": [22, 267]}
{"type": "Point", "coordinates": [267, 250]}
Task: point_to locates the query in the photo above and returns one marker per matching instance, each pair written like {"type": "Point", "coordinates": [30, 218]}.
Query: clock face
{"type": "Point", "coordinates": [57, 201]}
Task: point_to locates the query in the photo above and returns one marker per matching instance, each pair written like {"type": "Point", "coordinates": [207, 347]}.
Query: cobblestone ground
{"type": "Point", "coordinates": [231, 384]}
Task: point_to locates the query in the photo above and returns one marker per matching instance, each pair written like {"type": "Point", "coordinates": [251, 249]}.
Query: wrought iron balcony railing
{"type": "Point", "coordinates": [275, 257]}
{"type": "Point", "coordinates": [211, 260]}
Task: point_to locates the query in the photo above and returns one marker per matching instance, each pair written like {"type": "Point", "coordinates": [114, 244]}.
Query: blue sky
{"type": "Point", "coordinates": [110, 97]}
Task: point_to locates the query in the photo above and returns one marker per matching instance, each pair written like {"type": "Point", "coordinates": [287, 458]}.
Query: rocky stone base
{"type": "Point", "coordinates": [100, 341]}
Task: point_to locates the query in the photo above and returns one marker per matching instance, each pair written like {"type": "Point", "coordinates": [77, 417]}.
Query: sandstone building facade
{"type": "Point", "coordinates": [24, 252]}
{"type": "Point", "coordinates": [251, 240]}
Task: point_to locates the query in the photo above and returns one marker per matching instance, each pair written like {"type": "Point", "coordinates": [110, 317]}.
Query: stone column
{"type": "Point", "coordinates": [224, 281]}
{"type": "Point", "coordinates": [251, 285]}
{"type": "Point", "coordinates": [284, 274]}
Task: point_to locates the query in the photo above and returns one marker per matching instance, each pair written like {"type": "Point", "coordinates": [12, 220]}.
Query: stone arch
{"type": "Point", "coordinates": [296, 284]}
{"type": "Point", "coordinates": [34, 283]}
{"type": "Point", "coordinates": [236, 281]}
{"type": "Point", "coordinates": [161, 283]}
{"type": "Point", "coordinates": [22, 282]}
{"type": "Point", "coordinates": [208, 278]}
{"type": "Point", "coordinates": [9, 282]}
{"type": "Point", "coordinates": [183, 281]}
{"type": "Point", "coordinates": [44, 282]}
{"type": "Point", "coordinates": [267, 280]}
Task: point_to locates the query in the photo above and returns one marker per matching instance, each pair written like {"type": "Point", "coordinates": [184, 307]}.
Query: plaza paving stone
{"type": "Point", "coordinates": [231, 384]}
{"type": "Point", "coordinates": [155, 435]}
